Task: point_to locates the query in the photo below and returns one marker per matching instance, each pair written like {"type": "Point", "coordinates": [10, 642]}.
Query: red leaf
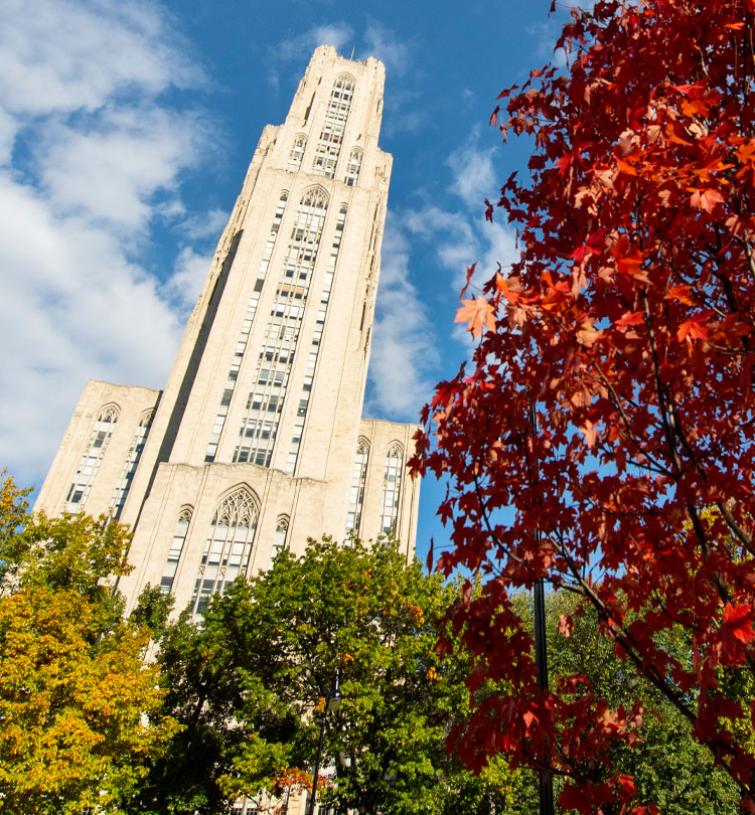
{"type": "Point", "coordinates": [630, 318]}
{"type": "Point", "coordinates": [626, 785]}
{"type": "Point", "coordinates": [695, 328]}
{"type": "Point", "coordinates": [430, 552]}
{"type": "Point", "coordinates": [468, 280]}
{"type": "Point", "coordinates": [682, 294]}
{"type": "Point", "coordinates": [565, 625]}
{"type": "Point", "coordinates": [738, 622]}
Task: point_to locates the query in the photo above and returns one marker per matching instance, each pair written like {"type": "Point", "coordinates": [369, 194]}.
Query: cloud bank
{"type": "Point", "coordinates": [91, 156]}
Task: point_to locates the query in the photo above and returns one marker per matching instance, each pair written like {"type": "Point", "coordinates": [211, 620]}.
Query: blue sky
{"type": "Point", "coordinates": [125, 132]}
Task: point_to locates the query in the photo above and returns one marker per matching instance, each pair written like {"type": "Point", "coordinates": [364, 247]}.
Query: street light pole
{"type": "Point", "coordinates": [332, 702]}
{"type": "Point", "coordinates": [545, 778]}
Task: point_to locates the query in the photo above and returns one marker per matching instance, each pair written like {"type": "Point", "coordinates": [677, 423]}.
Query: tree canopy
{"type": "Point", "coordinates": [601, 438]}
{"type": "Point", "coordinates": [74, 688]}
{"type": "Point", "coordinates": [249, 685]}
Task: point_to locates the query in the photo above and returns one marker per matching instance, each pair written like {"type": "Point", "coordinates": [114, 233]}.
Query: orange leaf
{"type": "Point", "coordinates": [706, 199]}
{"type": "Point", "coordinates": [630, 318]}
{"type": "Point", "coordinates": [478, 314]}
{"type": "Point", "coordinates": [565, 625]}
{"type": "Point", "coordinates": [682, 294]}
{"type": "Point", "coordinates": [625, 167]}
{"type": "Point", "coordinates": [693, 329]}
{"type": "Point", "coordinates": [738, 622]}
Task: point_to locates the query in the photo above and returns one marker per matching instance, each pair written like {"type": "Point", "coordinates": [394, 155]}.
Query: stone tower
{"type": "Point", "coordinates": [257, 441]}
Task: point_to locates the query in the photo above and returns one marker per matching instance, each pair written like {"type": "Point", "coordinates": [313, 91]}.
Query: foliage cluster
{"type": "Point", "coordinates": [609, 401]}
{"type": "Point", "coordinates": [74, 687]}
{"type": "Point", "coordinates": [233, 706]}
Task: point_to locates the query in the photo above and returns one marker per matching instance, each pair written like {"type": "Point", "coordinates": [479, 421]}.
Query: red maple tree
{"type": "Point", "coordinates": [601, 438]}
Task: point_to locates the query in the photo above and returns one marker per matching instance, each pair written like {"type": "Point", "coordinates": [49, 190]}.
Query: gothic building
{"type": "Point", "coordinates": [257, 441]}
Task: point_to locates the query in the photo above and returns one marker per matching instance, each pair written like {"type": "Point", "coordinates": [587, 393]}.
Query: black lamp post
{"type": "Point", "coordinates": [545, 778]}
{"type": "Point", "coordinates": [332, 702]}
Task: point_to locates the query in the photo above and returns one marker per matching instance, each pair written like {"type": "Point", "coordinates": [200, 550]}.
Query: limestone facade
{"type": "Point", "coordinates": [257, 440]}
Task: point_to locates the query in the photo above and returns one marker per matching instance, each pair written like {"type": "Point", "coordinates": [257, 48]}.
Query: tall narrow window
{"type": "Point", "coordinates": [228, 548]}
{"type": "Point", "coordinates": [358, 482]}
{"type": "Point", "coordinates": [92, 459]}
{"type": "Point", "coordinates": [331, 136]}
{"type": "Point", "coordinates": [259, 425]}
{"type": "Point", "coordinates": [129, 465]}
{"type": "Point", "coordinates": [297, 154]}
{"type": "Point", "coordinates": [335, 248]}
{"type": "Point", "coordinates": [246, 328]}
{"type": "Point", "coordinates": [353, 167]}
{"type": "Point", "coordinates": [176, 550]}
{"type": "Point", "coordinates": [279, 541]}
{"type": "Point", "coordinates": [394, 462]}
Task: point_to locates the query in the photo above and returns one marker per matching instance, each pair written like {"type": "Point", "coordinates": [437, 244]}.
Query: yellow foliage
{"type": "Point", "coordinates": [76, 696]}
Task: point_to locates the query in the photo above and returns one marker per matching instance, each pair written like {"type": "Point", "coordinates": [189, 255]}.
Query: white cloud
{"type": "Point", "coordinates": [205, 225]}
{"type": "Point", "coordinates": [66, 56]}
{"type": "Point", "coordinates": [383, 43]}
{"type": "Point", "coordinates": [474, 176]}
{"type": "Point", "coordinates": [295, 48]}
{"type": "Point", "coordinates": [404, 350]}
{"type": "Point", "coordinates": [185, 283]}
{"type": "Point", "coordinates": [84, 172]}
{"type": "Point", "coordinates": [81, 87]}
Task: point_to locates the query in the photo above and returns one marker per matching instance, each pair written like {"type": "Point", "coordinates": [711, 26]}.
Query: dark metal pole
{"type": "Point", "coordinates": [332, 702]}
{"type": "Point", "coordinates": [545, 777]}
{"type": "Point", "coordinates": [311, 807]}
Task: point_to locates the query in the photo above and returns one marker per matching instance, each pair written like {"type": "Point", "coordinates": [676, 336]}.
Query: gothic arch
{"type": "Point", "coordinates": [314, 196]}
{"type": "Point", "coordinates": [145, 420]}
{"type": "Point", "coordinates": [109, 412]}
{"type": "Point", "coordinates": [239, 506]}
{"type": "Point", "coordinates": [345, 80]}
{"type": "Point", "coordinates": [395, 449]}
{"type": "Point", "coordinates": [185, 511]}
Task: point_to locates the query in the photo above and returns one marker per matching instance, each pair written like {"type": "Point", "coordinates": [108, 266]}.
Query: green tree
{"type": "Point", "coordinates": [249, 686]}
{"type": "Point", "coordinates": [73, 685]}
{"type": "Point", "coordinates": [670, 767]}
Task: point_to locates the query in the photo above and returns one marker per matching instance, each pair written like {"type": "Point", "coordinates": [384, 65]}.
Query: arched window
{"type": "Point", "coordinates": [353, 167]}
{"type": "Point", "coordinates": [132, 460]}
{"type": "Point", "coordinates": [92, 458]}
{"type": "Point", "coordinates": [259, 424]}
{"type": "Point", "coordinates": [314, 197]}
{"type": "Point", "coordinates": [176, 550]}
{"type": "Point", "coordinates": [246, 328]}
{"type": "Point", "coordinates": [281, 534]}
{"type": "Point", "coordinates": [309, 371]}
{"type": "Point", "coordinates": [333, 127]}
{"type": "Point", "coordinates": [228, 548]}
{"type": "Point", "coordinates": [358, 482]}
{"type": "Point", "coordinates": [297, 153]}
{"type": "Point", "coordinates": [394, 463]}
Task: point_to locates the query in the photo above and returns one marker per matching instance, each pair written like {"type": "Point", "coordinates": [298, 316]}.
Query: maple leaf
{"type": "Point", "coordinates": [478, 314]}
{"type": "Point", "coordinates": [682, 294]}
{"type": "Point", "coordinates": [737, 622]}
{"type": "Point", "coordinates": [628, 248]}
{"type": "Point", "coordinates": [430, 553]}
{"type": "Point", "coordinates": [706, 199]}
{"type": "Point", "coordinates": [695, 328]}
{"type": "Point", "coordinates": [630, 318]}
